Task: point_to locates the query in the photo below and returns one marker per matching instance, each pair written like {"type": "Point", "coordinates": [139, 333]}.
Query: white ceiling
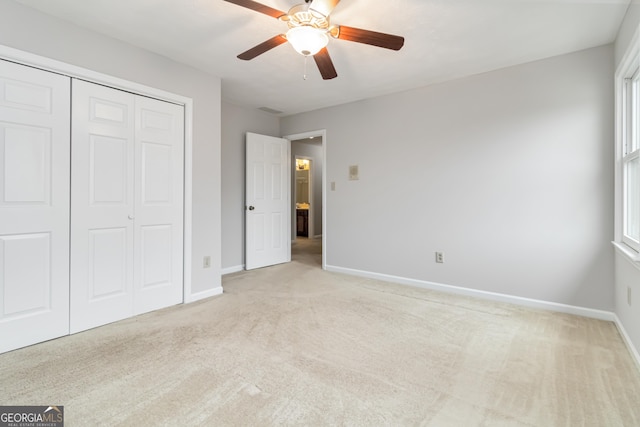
{"type": "Point", "coordinates": [444, 39]}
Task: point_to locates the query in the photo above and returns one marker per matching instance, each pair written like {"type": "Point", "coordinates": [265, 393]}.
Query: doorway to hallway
{"type": "Point", "coordinates": [307, 251]}
{"type": "Point", "coordinates": [308, 196]}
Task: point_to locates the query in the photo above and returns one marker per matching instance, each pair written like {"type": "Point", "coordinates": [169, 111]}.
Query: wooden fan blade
{"type": "Point", "coordinates": [263, 47]}
{"type": "Point", "coordinates": [387, 41]}
{"type": "Point", "coordinates": [258, 7]}
{"type": "Point", "coordinates": [325, 7]}
{"type": "Point", "coordinates": [325, 64]}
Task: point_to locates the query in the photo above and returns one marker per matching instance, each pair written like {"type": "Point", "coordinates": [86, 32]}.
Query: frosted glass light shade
{"type": "Point", "coordinates": [307, 40]}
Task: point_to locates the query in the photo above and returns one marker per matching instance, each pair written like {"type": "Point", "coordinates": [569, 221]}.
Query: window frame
{"type": "Point", "coordinates": [627, 142]}
{"type": "Point", "coordinates": [630, 151]}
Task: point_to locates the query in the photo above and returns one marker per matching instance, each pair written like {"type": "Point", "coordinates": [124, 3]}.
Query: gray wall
{"type": "Point", "coordinates": [627, 273]}
{"type": "Point", "coordinates": [313, 151]}
{"type": "Point", "coordinates": [509, 173]}
{"type": "Point", "coordinates": [236, 122]}
{"type": "Point", "coordinates": [25, 29]}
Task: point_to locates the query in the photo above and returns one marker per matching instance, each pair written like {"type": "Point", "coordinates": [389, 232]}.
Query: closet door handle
{"type": "Point", "coordinates": [131, 217]}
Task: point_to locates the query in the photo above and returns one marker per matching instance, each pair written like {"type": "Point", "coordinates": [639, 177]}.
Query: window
{"type": "Point", "coordinates": [631, 162]}
{"type": "Point", "coordinates": [628, 152]}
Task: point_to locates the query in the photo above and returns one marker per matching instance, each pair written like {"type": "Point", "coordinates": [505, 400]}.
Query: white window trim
{"type": "Point", "coordinates": [629, 63]}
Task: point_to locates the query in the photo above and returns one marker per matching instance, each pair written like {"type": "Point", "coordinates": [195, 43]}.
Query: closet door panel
{"type": "Point", "coordinates": [102, 210]}
{"type": "Point", "coordinates": [107, 264]}
{"type": "Point", "coordinates": [127, 205]}
{"type": "Point", "coordinates": [159, 204]}
{"type": "Point", "coordinates": [26, 264]}
{"type": "Point", "coordinates": [27, 164]}
{"type": "Point", "coordinates": [34, 205]}
{"type": "Point", "coordinates": [108, 161]}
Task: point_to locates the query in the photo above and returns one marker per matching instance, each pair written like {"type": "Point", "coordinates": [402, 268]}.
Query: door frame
{"type": "Point", "coordinates": [52, 65]}
{"type": "Point", "coordinates": [321, 133]}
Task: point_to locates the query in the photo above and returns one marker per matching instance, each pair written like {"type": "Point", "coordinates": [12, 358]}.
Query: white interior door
{"type": "Point", "coordinates": [34, 205]}
{"type": "Point", "coordinates": [102, 209]}
{"type": "Point", "coordinates": [158, 225]}
{"type": "Point", "coordinates": [127, 205]}
{"type": "Point", "coordinates": [268, 190]}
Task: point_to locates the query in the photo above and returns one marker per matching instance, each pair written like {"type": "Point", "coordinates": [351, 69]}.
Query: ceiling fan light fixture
{"type": "Point", "coordinates": [307, 40]}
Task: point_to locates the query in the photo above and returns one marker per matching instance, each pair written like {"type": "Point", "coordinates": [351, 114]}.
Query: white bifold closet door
{"type": "Point", "coordinates": [34, 205]}
{"type": "Point", "coordinates": [126, 206]}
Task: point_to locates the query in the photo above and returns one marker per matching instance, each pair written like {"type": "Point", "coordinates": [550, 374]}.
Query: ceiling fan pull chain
{"type": "Point", "coordinates": [304, 74]}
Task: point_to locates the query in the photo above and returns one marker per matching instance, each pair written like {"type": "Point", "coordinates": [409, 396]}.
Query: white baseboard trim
{"type": "Point", "coordinates": [627, 340]}
{"type": "Point", "coordinates": [204, 294]}
{"type": "Point", "coordinates": [233, 269]}
{"type": "Point", "coordinates": [493, 296]}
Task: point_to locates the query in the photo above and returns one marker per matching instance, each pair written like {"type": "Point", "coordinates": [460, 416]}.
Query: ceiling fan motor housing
{"type": "Point", "coordinates": [301, 16]}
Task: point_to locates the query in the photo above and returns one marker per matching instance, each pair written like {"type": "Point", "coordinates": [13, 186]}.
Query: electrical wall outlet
{"type": "Point", "coordinates": [206, 262]}
{"type": "Point", "coordinates": [629, 295]}
{"type": "Point", "coordinates": [440, 257]}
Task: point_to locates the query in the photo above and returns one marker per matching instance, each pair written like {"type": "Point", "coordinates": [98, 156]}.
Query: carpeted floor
{"type": "Point", "coordinates": [295, 345]}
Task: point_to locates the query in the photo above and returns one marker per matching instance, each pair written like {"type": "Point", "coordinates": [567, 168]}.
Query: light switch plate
{"type": "Point", "coordinates": [353, 172]}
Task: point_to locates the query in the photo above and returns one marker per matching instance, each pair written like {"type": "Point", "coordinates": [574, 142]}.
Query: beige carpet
{"type": "Point", "coordinates": [294, 345]}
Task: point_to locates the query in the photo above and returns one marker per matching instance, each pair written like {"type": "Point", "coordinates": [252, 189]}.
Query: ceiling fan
{"type": "Point", "coordinates": [309, 32]}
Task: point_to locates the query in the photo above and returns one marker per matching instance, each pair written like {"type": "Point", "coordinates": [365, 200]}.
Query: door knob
{"type": "Point", "coordinates": [131, 217]}
{"type": "Point", "coordinates": [251, 208]}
